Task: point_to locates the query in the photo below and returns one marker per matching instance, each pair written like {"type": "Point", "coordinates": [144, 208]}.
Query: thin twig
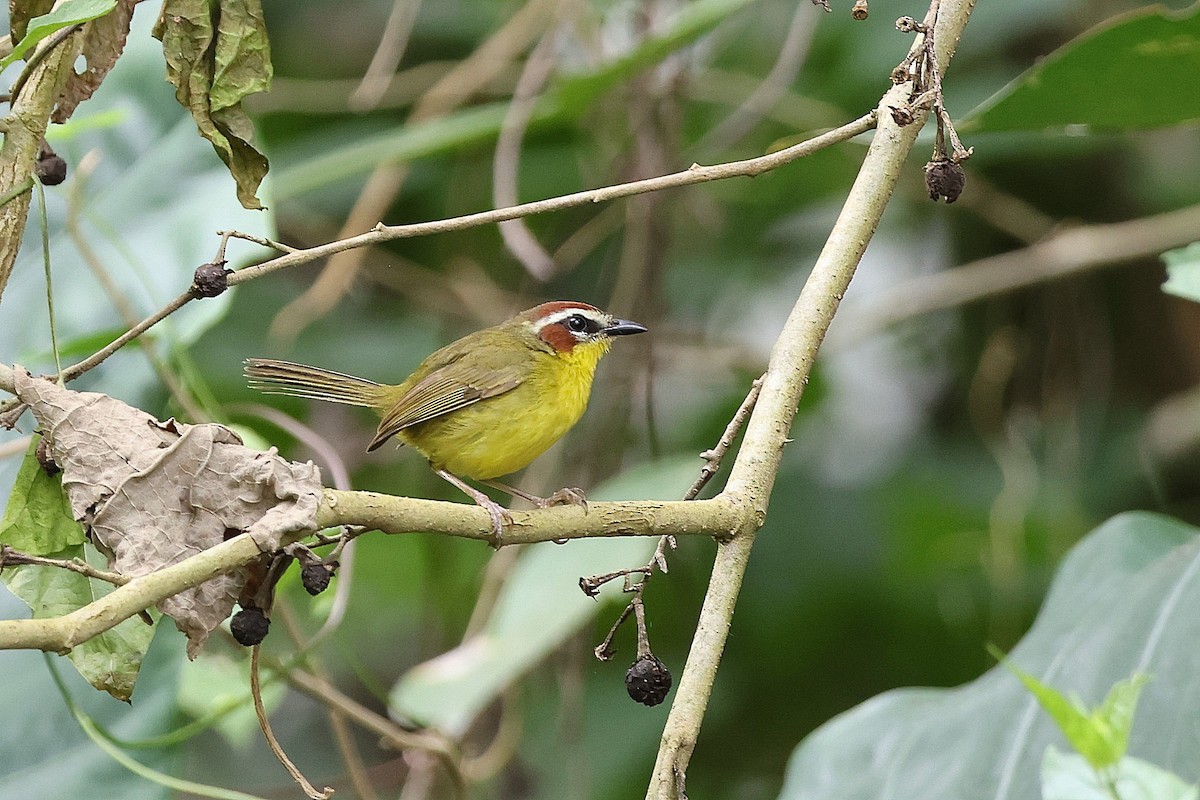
{"type": "Point", "coordinates": [695, 174]}
{"type": "Point", "coordinates": [261, 713]}
{"type": "Point", "coordinates": [712, 458]}
{"type": "Point", "coordinates": [10, 557]}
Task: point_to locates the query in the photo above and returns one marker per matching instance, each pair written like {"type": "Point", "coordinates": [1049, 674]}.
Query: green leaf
{"type": "Point", "coordinates": [109, 661]}
{"type": "Point", "coordinates": [1121, 603]}
{"type": "Point", "coordinates": [37, 519]}
{"type": "Point", "coordinates": [1100, 735]}
{"type": "Point", "coordinates": [1067, 776]}
{"type": "Point", "coordinates": [539, 608]}
{"type": "Point", "coordinates": [72, 12]}
{"type": "Point", "coordinates": [217, 54]}
{"type": "Point", "coordinates": [1137, 70]}
{"type": "Point", "coordinates": [1183, 272]}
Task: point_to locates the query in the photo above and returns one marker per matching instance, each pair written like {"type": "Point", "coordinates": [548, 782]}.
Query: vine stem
{"type": "Point", "coordinates": [753, 474]}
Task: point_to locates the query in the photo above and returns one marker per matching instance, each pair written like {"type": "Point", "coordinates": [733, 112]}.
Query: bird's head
{"type": "Point", "coordinates": [567, 327]}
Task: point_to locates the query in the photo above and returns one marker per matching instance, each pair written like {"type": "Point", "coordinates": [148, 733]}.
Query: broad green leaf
{"type": "Point", "coordinates": [109, 661]}
{"type": "Point", "coordinates": [539, 608]}
{"type": "Point", "coordinates": [1121, 603]}
{"type": "Point", "coordinates": [1137, 70]}
{"type": "Point", "coordinates": [37, 519]}
{"type": "Point", "coordinates": [217, 54]}
{"type": "Point", "coordinates": [72, 12]}
{"type": "Point", "coordinates": [1068, 776]}
{"type": "Point", "coordinates": [1183, 272]}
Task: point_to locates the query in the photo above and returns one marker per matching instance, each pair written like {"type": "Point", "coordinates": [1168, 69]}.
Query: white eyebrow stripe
{"type": "Point", "coordinates": [599, 318]}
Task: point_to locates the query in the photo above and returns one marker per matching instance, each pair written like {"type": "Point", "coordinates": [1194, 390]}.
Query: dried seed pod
{"type": "Point", "coordinates": [648, 680]}
{"type": "Point", "coordinates": [944, 178]}
{"type": "Point", "coordinates": [249, 626]}
{"type": "Point", "coordinates": [860, 10]}
{"type": "Point", "coordinates": [210, 279]}
{"type": "Point", "coordinates": [50, 169]}
{"type": "Point", "coordinates": [315, 576]}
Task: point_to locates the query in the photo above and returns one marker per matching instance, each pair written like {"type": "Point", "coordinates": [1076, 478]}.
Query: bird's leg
{"type": "Point", "coordinates": [500, 516]}
{"type": "Point", "coordinates": [563, 497]}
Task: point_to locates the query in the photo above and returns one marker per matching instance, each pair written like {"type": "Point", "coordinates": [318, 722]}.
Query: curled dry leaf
{"type": "Point", "coordinates": [153, 493]}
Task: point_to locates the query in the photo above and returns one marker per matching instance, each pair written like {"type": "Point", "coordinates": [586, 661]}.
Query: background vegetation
{"type": "Point", "coordinates": [943, 465]}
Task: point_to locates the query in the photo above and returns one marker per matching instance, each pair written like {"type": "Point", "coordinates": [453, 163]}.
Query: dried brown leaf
{"type": "Point", "coordinates": [103, 43]}
{"type": "Point", "coordinates": [154, 493]}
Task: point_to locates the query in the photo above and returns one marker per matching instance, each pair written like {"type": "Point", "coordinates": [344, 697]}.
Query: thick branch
{"type": "Point", "coordinates": [753, 473]}
{"type": "Point", "coordinates": [716, 517]}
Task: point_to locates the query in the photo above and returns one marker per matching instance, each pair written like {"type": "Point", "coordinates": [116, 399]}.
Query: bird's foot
{"type": "Point", "coordinates": [567, 496]}
{"type": "Point", "coordinates": [500, 518]}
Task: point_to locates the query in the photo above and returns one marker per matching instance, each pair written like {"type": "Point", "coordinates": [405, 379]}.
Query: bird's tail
{"type": "Point", "coordinates": [299, 380]}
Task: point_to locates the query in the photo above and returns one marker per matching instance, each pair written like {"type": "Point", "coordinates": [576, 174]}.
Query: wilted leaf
{"type": "Point", "coordinates": [37, 519]}
{"type": "Point", "coordinates": [109, 661]}
{"type": "Point", "coordinates": [154, 493]}
{"type": "Point", "coordinates": [69, 13]}
{"type": "Point", "coordinates": [103, 43]}
{"type": "Point", "coordinates": [217, 54]}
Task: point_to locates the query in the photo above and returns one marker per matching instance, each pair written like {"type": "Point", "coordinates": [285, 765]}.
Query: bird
{"type": "Point", "coordinates": [482, 407]}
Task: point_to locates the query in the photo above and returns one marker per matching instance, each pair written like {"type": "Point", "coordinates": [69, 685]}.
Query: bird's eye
{"type": "Point", "coordinates": [576, 323]}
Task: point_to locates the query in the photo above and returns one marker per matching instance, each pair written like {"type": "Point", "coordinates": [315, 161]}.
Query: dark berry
{"type": "Point", "coordinates": [51, 169]}
{"type": "Point", "coordinates": [249, 626]}
{"type": "Point", "coordinates": [210, 279]}
{"type": "Point", "coordinates": [648, 680]}
{"type": "Point", "coordinates": [315, 576]}
{"type": "Point", "coordinates": [944, 178]}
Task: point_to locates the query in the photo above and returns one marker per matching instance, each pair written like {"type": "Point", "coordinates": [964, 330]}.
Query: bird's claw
{"type": "Point", "coordinates": [500, 518]}
{"type": "Point", "coordinates": [567, 496]}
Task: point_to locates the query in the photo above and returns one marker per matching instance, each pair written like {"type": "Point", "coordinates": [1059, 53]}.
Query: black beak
{"type": "Point", "coordinates": [624, 327]}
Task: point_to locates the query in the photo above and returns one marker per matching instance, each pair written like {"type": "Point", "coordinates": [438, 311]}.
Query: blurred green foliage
{"type": "Point", "coordinates": [941, 468]}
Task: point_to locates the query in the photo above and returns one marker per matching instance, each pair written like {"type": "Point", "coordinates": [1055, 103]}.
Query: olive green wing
{"type": "Point", "coordinates": [455, 385]}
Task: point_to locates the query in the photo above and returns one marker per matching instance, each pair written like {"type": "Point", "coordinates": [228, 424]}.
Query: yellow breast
{"type": "Point", "coordinates": [505, 433]}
